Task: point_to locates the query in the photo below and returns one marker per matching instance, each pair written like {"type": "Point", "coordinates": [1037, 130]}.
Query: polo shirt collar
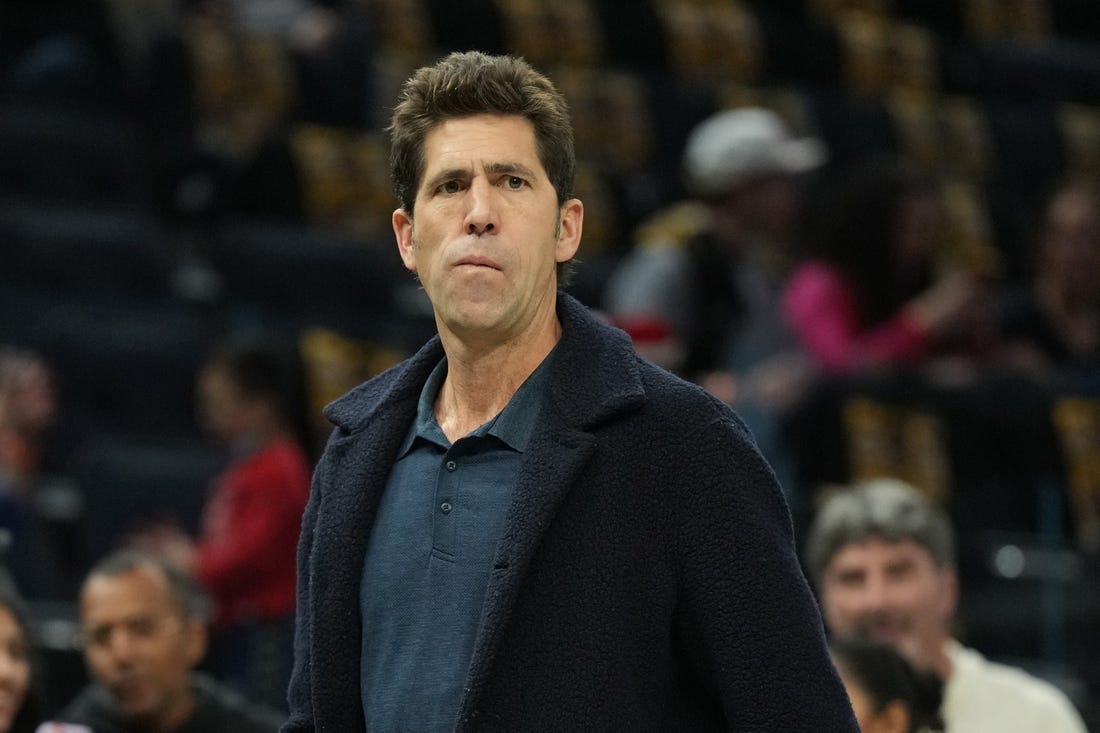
{"type": "Point", "coordinates": [513, 425]}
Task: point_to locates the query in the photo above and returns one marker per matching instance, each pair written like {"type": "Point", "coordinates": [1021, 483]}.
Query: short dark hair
{"type": "Point", "coordinates": [856, 231]}
{"type": "Point", "coordinates": [268, 365]}
{"type": "Point", "coordinates": [182, 589]}
{"type": "Point", "coordinates": [470, 83]}
{"type": "Point", "coordinates": [889, 509]}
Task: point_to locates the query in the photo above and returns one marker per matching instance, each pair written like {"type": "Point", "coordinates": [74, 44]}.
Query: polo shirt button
{"type": "Point", "coordinates": [451, 465]}
{"type": "Point", "coordinates": [446, 507]}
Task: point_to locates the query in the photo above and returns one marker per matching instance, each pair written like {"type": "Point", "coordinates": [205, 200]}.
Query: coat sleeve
{"type": "Point", "coordinates": [299, 694]}
{"type": "Point", "coordinates": [747, 619]}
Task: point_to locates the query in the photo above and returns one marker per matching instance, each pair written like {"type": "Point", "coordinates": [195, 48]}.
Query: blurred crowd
{"type": "Point", "coordinates": [872, 227]}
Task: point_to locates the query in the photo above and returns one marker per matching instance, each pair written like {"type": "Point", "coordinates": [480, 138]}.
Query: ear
{"type": "Point", "coordinates": [569, 237]}
{"type": "Point", "coordinates": [197, 640]}
{"type": "Point", "coordinates": [403, 231]}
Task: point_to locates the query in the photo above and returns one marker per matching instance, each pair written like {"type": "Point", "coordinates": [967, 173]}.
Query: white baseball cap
{"type": "Point", "coordinates": [737, 145]}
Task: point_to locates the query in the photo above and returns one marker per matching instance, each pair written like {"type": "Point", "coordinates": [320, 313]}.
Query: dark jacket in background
{"type": "Point", "coordinates": [217, 710]}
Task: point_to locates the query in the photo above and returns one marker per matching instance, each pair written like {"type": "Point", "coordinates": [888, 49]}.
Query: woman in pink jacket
{"type": "Point", "coordinates": [872, 296]}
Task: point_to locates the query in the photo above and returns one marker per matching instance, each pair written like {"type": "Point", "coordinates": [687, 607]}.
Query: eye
{"type": "Point", "coordinates": [449, 187]}
{"type": "Point", "coordinates": [97, 636]}
{"type": "Point", "coordinates": [902, 571]}
{"type": "Point", "coordinates": [17, 650]}
{"type": "Point", "coordinates": [849, 579]}
{"type": "Point", "coordinates": [143, 627]}
{"type": "Point", "coordinates": [514, 183]}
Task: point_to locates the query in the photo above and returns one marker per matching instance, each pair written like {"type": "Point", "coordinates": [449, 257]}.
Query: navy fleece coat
{"type": "Point", "coordinates": [646, 579]}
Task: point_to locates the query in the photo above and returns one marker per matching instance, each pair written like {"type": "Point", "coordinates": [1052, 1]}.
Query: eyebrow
{"type": "Point", "coordinates": [502, 168]}
{"type": "Point", "coordinates": [511, 167]}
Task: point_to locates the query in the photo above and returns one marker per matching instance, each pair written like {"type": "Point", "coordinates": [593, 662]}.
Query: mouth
{"type": "Point", "coordinates": [128, 688]}
{"type": "Point", "coordinates": [478, 262]}
{"type": "Point", "coordinates": [888, 630]}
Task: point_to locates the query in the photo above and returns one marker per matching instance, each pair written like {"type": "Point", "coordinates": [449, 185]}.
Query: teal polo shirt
{"type": "Point", "coordinates": [429, 557]}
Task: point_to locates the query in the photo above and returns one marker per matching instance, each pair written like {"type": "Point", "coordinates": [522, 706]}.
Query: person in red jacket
{"type": "Point", "coordinates": [251, 398]}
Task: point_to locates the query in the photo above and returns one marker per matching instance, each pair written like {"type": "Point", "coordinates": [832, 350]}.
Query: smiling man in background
{"type": "Point", "coordinates": [883, 559]}
{"type": "Point", "coordinates": [143, 635]}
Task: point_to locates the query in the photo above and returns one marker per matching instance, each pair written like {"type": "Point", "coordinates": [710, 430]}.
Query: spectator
{"type": "Point", "coordinates": [883, 560]}
{"type": "Point", "coordinates": [34, 548]}
{"type": "Point", "coordinates": [873, 296]}
{"type": "Point", "coordinates": [28, 407]}
{"type": "Point", "coordinates": [19, 701]}
{"type": "Point", "coordinates": [887, 693]}
{"type": "Point", "coordinates": [1054, 322]}
{"type": "Point", "coordinates": [699, 292]}
{"type": "Point", "coordinates": [252, 399]}
{"type": "Point", "coordinates": [703, 278]}
{"type": "Point", "coordinates": [143, 634]}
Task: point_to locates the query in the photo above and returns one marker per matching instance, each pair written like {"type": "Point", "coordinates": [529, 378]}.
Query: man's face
{"type": "Point", "coordinates": [138, 645]}
{"type": "Point", "coordinates": [226, 412]}
{"type": "Point", "coordinates": [893, 592]}
{"type": "Point", "coordinates": [768, 209]}
{"type": "Point", "coordinates": [15, 668]}
{"type": "Point", "coordinates": [488, 232]}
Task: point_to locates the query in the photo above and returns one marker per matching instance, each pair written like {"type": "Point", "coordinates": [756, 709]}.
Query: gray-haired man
{"type": "Point", "coordinates": [883, 560]}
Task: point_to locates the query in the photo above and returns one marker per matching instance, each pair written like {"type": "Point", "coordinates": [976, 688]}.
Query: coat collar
{"type": "Point", "coordinates": [596, 375]}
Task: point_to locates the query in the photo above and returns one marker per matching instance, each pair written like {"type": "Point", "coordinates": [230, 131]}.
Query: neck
{"type": "Point", "coordinates": [940, 663]}
{"type": "Point", "coordinates": [481, 380]}
{"type": "Point", "coordinates": [177, 715]}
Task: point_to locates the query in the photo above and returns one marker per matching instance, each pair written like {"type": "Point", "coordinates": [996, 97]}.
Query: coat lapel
{"type": "Point", "coordinates": [595, 376]}
{"type": "Point", "coordinates": [360, 460]}
{"type": "Point", "coordinates": [542, 486]}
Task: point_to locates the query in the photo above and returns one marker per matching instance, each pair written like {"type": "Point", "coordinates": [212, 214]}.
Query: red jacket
{"type": "Point", "coordinates": [246, 553]}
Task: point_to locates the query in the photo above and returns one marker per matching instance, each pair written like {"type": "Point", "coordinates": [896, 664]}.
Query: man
{"type": "Point", "coordinates": [883, 558]}
{"type": "Point", "coordinates": [700, 290]}
{"type": "Point", "coordinates": [142, 637]}
{"type": "Point", "coordinates": [705, 274]}
{"type": "Point", "coordinates": [525, 526]}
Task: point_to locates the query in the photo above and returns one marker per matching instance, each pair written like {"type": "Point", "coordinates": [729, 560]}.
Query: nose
{"type": "Point", "coordinates": [875, 593]}
{"type": "Point", "coordinates": [481, 214]}
{"type": "Point", "coordinates": [120, 646]}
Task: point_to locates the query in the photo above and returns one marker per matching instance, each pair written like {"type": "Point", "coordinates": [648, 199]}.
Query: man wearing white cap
{"type": "Point", "coordinates": [699, 291]}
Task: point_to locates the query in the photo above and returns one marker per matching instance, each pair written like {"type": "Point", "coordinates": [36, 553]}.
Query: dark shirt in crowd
{"type": "Point", "coordinates": [217, 710]}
